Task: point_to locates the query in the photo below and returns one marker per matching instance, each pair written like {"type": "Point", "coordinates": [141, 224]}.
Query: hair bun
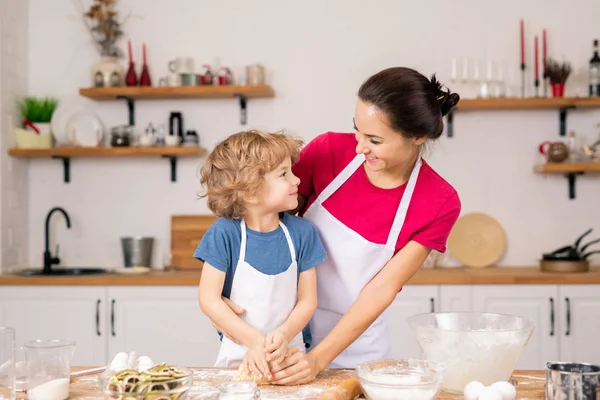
{"type": "Point", "coordinates": [446, 99]}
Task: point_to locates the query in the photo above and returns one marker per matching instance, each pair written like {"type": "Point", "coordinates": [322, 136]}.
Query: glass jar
{"type": "Point", "coordinates": [120, 136]}
{"type": "Point", "coordinates": [239, 391]}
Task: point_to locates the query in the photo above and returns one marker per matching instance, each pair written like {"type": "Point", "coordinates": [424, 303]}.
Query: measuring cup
{"type": "Point", "coordinates": [48, 365]}
{"type": "Point", "coordinates": [7, 363]}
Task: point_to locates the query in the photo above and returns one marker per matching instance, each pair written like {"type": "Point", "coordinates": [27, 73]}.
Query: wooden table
{"type": "Point", "coordinates": [341, 384]}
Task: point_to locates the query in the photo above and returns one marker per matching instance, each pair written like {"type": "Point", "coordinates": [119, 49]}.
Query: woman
{"type": "Point", "coordinates": [380, 209]}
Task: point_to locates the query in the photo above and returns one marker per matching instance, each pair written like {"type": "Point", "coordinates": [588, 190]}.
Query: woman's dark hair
{"type": "Point", "coordinates": [413, 104]}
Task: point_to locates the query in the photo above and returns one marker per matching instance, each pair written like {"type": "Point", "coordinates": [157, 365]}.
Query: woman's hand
{"type": "Point", "coordinates": [238, 310]}
{"type": "Point", "coordinates": [297, 368]}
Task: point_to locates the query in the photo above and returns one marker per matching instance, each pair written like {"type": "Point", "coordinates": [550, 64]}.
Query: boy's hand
{"type": "Point", "coordinates": [255, 361]}
{"type": "Point", "coordinates": [276, 345]}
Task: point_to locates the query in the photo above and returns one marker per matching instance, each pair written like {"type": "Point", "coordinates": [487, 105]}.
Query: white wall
{"type": "Point", "coordinates": [14, 197]}
{"type": "Point", "coordinates": [317, 53]}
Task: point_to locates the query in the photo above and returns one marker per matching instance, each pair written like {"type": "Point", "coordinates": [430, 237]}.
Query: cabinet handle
{"type": "Point", "coordinates": [98, 317]}
{"type": "Point", "coordinates": [551, 316]}
{"type": "Point", "coordinates": [568, 332]}
{"type": "Point", "coordinates": [112, 317]}
{"type": "Point", "coordinates": [432, 305]}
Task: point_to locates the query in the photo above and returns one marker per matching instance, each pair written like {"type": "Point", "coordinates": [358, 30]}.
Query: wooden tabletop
{"type": "Point", "coordinates": [426, 276]}
{"type": "Point", "coordinates": [530, 386]}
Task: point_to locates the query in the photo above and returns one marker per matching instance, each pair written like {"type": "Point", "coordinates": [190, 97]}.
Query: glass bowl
{"type": "Point", "coordinates": [398, 379]}
{"type": "Point", "coordinates": [473, 346]}
{"type": "Point", "coordinates": [159, 382]}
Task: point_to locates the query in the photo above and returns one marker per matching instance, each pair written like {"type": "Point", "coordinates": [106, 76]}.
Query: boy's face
{"type": "Point", "coordinates": [281, 189]}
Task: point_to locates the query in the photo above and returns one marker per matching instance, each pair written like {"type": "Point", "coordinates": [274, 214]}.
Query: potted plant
{"type": "Point", "coordinates": [36, 113]}
{"type": "Point", "coordinates": [557, 73]}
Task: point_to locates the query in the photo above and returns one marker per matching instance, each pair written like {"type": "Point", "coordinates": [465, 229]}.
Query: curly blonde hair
{"type": "Point", "coordinates": [237, 166]}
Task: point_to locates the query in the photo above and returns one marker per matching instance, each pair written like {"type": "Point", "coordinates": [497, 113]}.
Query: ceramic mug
{"type": "Point", "coordinates": [182, 65]}
{"type": "Point", "coordinates": [555, 152]}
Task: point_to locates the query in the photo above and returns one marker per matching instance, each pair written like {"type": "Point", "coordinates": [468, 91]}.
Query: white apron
{"type": "Point", "coordinates": [267, 299]}
{"type": "Point", "coordinates": [352, 261]}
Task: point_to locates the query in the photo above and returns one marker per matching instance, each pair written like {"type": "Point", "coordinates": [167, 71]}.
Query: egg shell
{"type": "Point", "coordinates": [472, 390]}
{"type": "Point", "coordinates": [489, 393]}
{"type": "Point", "coordinates": [508, 391]}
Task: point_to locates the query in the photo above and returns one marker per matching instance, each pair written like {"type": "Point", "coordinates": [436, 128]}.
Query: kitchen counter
{"type": "Point", "coordinates": [530, 385]}
{"type": "Point", "coordinates": [426, 276]}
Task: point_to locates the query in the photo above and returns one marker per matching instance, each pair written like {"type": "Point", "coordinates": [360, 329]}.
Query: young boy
{"type": "Point", "coordinates": [256, 254]}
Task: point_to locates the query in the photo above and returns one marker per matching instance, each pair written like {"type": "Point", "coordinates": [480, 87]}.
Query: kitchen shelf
{"type": "Point", "coordinates": [562, 104]}
{"type": "Point", "coordinates": [570, 170]}
{"type": "Point", "coordinates": [132, 93]}
{"type": "Point", "coordinates": [66, 153]}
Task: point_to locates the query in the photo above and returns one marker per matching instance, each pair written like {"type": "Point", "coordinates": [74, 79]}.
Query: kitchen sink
{"type": "Point", "coordinates": [63, 272]}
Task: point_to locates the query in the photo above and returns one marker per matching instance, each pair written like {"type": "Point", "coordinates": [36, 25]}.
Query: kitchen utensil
{"type": "Point", "coordinates": [190, 79]}
{"type": "Point", "coordinates": [48, 364]}
{"type": "Point", "coordinates": [159, 382]}
{"type": "Point", "coordinates": [239, 390]}
{"type": "Point", "coordinates": [555, 152]}
{"type": "Point", "coordinates": [255, 75]}
{"type": "Point", "coordinates": [472, 346]}
{"type": "Point", "coordinates": [564, 266]}
{"type": "Point", "coordinates": [119, 137]}
{"type": "Point", "coordinates": [400, 379]}
{"type": "Point", "coordinates": [7, 363]}
{"type": "Point", "coordinates": [176, 123]}
{"type": "Point", "coordinates": [172, 140]}
{"type": "Point", "coordinates": [85, 129]}
{"type": "Point", "coordinates": [572, 381]}
{"type": "Point", "coordinates": [477, 240]}
{"type": "Point", "coordinates": [137, 251]}
{"type": "Point", "coordinates": [182, 65]}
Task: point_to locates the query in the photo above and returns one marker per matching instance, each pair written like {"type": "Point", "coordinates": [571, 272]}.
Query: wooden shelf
{"type": "Point", "coordinates": [562, 104]}
{"type": "Point", "coordinates": [570, 170]}
{"type": "Point", "coordinates": [566, 168]}
{"type": "Point", "coordinates": [132, 93]}
{"type": "Point", "coordinates": [66, 153]}
{"type": "Point", "coordinates": [180, 92]}
{"type": "Point", "coordinates": [109, 152]}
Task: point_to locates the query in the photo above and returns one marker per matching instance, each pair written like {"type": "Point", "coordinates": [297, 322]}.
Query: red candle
{"type": "Point", "coordinates": [535, 55]}
{"type": "Point", "coordinates": [522, 43]}
{"type": "Point", "coordinates": [129, 48]}
{"type": "Point", "coordinates": [544, 50]}
{"type": "Point", "coordinates": [144, 50]}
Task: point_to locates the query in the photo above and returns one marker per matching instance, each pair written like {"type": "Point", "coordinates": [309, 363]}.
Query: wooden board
{"type": "Point", "coordinates": [329, 385]}
{"type": "Point", "coordinates": [186, 232]}
{"type": "Point", "coordinates": [69, 151]}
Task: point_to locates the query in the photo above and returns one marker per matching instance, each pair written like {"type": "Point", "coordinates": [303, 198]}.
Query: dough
{"type": "Point", "coordinates": [243, 377]}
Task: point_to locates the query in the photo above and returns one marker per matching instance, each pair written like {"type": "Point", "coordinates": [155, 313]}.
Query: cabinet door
{"type": "Point", "coordinates": [59, 312]}
{"type": "Point", "coordinates": [164, 323]}
{"type": "Point", "coordinates": [413, 299]}
{"type": "Point", "coordinates": [579, 323]}
{"type": "Point", "coordinates": [538, 302]}
{"type": "Point", "coordinates": [454, 298]}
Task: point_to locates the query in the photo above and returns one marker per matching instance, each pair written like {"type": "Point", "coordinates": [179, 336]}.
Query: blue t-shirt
{"type": "Point", "coordinates": [268, 252]}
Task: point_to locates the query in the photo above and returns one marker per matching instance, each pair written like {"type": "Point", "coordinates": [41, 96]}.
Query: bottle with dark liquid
{"type": "Point", "coordinates": [595, 72]}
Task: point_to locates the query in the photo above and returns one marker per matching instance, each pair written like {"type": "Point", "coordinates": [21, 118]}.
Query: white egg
{"type": "Point", "coordinates": [144, 363]}
{"type": "Point", "coordinates": [119, 362]}
{"type": "Point", "coordinates": [490, 393]}
{"type": "Point", "coordinates": [507, 390]}
{"type": "Point", "coordinates": [472, 390]}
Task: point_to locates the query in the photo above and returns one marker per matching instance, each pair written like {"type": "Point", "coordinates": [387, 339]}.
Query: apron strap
{"type": "Point", "coordinates": [243, 244]}
{"type": "Point", "coordinates": [341, 178]}
{"type": "Point", "coordinates": [404, 203]}
{"type": "Point", "coordinates": [289, 240]}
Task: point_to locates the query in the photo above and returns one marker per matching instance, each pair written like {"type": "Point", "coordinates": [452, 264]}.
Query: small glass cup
{"type": "Point", "coordinates": [239, 391]}
{"type": "Point", "coordinates": [7, 363]}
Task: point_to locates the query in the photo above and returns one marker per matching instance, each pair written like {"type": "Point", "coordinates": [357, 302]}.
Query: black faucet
{"type": "Point", "coordinates": [48, 258]}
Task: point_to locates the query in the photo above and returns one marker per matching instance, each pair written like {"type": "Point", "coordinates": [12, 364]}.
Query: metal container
{"type": "Point", "coordinates": [572, 381]}
{"type": "Point", "coordinates": [137, 251]}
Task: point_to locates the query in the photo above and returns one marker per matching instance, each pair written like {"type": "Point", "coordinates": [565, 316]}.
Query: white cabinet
{"type": "Point", "coordinates": [164, 323]}
{"type": "Point", "coordinates": [455, 298]}
{"type": "Point", "coordinates": [415, 299]}
{"type": "Point", "coordinates": [57, 312]}
{"type": "Point", "coordinates": [538, 302]}
{"type": "Point", "coordinates": [579, 323]}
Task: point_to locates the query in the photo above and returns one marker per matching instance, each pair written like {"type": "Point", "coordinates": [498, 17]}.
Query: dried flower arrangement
{"type": "Point", "coordinates": [557, 72]}
{"type": "Point", "coordinates": [101, 20]}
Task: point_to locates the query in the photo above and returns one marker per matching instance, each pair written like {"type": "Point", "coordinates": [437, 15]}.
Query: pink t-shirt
{"type": "Point", "coordinates": [369, 210]}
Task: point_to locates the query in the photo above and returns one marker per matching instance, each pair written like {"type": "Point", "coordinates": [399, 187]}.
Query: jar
{"type": "Point", "coordinates": [239, 391]}
{"type": "Point", "coordinates": [255, 75]}
{"type": "Point", "coordinates": [119, 136]}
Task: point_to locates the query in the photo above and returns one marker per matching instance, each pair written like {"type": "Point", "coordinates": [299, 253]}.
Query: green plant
{"type": "Point", "coordinates": [37, 109]}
